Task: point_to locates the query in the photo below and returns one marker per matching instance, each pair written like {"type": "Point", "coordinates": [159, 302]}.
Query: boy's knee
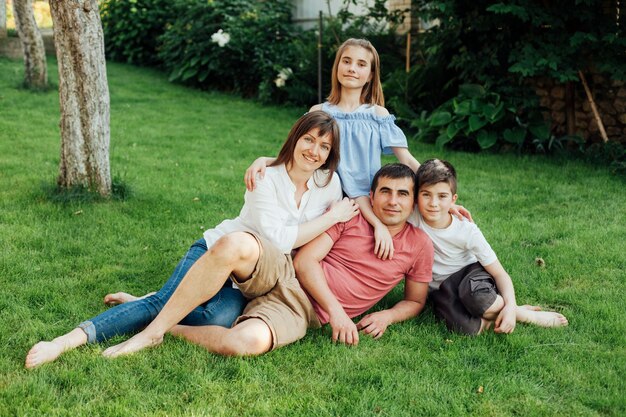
{"type": "Point", "coordinates": [477, 292]}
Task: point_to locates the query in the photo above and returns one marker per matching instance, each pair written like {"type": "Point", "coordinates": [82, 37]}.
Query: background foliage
{"type": "Point", "coordinates": [503, 46]}
{"type": "Point", "coordinates": [496, 47]}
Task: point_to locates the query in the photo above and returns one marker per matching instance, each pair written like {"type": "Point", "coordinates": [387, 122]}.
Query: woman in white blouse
{"type": "Point", "coordinates": [299, 198]}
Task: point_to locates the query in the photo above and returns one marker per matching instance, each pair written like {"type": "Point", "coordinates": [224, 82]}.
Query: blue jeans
{"type": "Point", "coordinates": [221, 310]}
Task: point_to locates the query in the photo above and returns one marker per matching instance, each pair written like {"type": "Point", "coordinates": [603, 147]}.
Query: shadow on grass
{"type": "Point", "coordinates": [120, 191]}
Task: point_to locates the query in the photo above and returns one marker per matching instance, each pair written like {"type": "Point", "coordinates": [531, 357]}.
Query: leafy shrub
{"type": "Point", "coordinates": [479, 119]}
{"type": "Point", "coordinates": [246, 56]}
{"type": "Point", "coordinates": [132, 29]}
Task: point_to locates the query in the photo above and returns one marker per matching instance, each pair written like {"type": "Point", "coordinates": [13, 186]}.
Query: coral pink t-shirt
{"type": "Point", "coordinates": [358, 278]}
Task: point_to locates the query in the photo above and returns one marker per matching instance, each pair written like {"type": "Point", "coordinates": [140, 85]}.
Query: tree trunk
{"type": "Point", "coordinates": [35, 71]}
{"type": "Point", "coordinates": [3, 19]}
{"type": "Point", "coordinates": [83, 95]}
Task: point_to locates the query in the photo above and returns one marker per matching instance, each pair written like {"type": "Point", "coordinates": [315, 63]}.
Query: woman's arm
{"type": "Point", "coordinates": [269, 219]}
{"type": "Point", "coordinates": [339, 212]}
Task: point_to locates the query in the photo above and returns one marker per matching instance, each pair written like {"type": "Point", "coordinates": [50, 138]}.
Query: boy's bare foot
{"type": "Point", "coordinates": [529, 307]}
{"type": "Point", "coordinates": [484, 325]}
{"type": "Point", "coordinates": [132, 345]}
{"type": "Point", "coordinates": [543, 318]}
{"type": "Point", "coordinates": [42, 352]}
{"type": "Point", "coordinates": [122, 297]}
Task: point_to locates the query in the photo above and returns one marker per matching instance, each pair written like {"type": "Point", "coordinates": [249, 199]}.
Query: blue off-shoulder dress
{"type": "Point", "coordinates": [365, 137]}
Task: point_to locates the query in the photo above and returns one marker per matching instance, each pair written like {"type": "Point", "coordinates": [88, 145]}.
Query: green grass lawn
{"type": "Point", "coordinates": [183, 153]}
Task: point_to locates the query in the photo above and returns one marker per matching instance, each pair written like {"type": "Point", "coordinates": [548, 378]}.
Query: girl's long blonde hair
{"type": "Point", "coordinates": [372, 92]}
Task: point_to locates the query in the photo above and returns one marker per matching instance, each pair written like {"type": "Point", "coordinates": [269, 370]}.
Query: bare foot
{"type": "Point", "coordinates": [529, 307]}
{"type": "Point", "coordinates": [484, 325]}
{"type": "Point", "coordinates": [122, 297]}
{"type": "Point", "coordinates": [544, 318]}
{"type": "Point", "coordinates": [42, 352]}
{"type": "Point", "coordinates": [132, 345]}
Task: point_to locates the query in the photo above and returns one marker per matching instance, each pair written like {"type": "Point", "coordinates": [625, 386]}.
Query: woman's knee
{"type": "Point", "coordinates": [237, 246]}
{"type": "Point", "coordinates": [252, 337]}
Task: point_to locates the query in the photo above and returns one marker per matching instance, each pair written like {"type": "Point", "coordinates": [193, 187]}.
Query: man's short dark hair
{"type": "Point", "coordinates": [393, 171]}
{"type": "Point", "coordinates": [434, 171]}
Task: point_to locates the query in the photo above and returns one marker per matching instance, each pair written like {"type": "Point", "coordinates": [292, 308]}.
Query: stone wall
{"type": "Point", "coordinates": [573, 108]}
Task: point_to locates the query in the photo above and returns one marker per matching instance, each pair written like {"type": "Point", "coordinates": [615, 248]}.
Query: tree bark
{"type": "Point", "coordinates": [35, 71]}
{"type": "Point", "coordinates": [3, 19]}
{"type": "Point", "coordinates": [83, 95]}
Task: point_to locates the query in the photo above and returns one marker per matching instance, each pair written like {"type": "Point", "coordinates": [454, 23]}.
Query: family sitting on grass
{"type": "Point", "coordinates": [237, 290]}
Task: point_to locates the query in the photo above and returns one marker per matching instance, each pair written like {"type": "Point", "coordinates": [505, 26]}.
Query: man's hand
{"type": "Point", "coordinates": [344, 329]}
{"type": "Point", "coordinates": [374, 324]}
{"type": "Point", "coordinates": [506, 320]}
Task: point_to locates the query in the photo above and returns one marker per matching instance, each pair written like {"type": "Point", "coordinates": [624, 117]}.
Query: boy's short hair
{"type": "Point", "coordinates": [393, 171]}
{"type": "Point", "coordinates": [435, 171]}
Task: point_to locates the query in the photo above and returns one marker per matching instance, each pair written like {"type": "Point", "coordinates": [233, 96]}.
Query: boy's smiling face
{"type": "Point", "coordinates": [434, 202]}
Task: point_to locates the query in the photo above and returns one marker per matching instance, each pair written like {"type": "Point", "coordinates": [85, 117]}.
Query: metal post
{"type": "Point", "coordinates": [319, 59]}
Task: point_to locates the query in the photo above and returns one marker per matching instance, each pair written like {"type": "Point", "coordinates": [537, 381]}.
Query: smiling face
{"type": "Point", "coordinates": [434, 202]}
{"type": "Point", "coordinates": [355, 67]}
{"type": "Point", "coordinates": [311, 151]}
{"type": "Point", "coordinates": [392, 200]}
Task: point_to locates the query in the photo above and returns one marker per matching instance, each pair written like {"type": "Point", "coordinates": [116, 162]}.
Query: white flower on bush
{"type": "Point", "coordinates": [220, 37]}
{"type": "Point", "coordinates": [283, 75]}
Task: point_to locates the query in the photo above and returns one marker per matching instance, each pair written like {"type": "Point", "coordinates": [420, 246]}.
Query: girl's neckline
{"type": "Point", "coordinates": [352, 111]}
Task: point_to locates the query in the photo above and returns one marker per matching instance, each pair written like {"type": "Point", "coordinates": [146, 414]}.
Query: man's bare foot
{"type": "Point", "coordinates": [122, 297]}
{"type": "Point", "coordinates": [132, 345]}
{"type": "Point", "coordinates": [42, 352]}
{"type": "Point", "coordinates": [543, 318]}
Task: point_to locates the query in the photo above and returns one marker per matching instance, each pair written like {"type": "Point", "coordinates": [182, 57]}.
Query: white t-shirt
{"type": "Point", "coordinates": [458, 245]}
{"type": "Point", "coordinates": [270, 210]}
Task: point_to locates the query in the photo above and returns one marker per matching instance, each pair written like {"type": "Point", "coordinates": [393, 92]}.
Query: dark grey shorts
{"type": "Point", "coordinates": [463, 298]}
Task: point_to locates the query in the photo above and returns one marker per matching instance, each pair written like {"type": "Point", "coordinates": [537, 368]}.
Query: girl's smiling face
{"type": "Point", "coordinates": [355, 67]}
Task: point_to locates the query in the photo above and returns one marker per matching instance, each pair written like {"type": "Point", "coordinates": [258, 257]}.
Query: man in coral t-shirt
{"type": "Point", "coordinates": [344, 278]}
{"type": "Point", "coordinates": [339, 277]}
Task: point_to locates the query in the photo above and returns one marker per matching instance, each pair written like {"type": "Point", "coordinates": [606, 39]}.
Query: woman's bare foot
{"type": "Point", "coordinates": [542, 318]}
{"type": "Point", "coordinates": [132, 345]}
{"type": "Point", "coordinates": [42, 352]}
{"type": "Point", "coordinates": [122, 297]}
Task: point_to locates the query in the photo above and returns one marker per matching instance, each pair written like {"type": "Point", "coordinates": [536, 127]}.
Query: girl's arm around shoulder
{"type": "Point", "coordinates": [405, 157]}
{"type": "Point", "coordinates": [316, 107]}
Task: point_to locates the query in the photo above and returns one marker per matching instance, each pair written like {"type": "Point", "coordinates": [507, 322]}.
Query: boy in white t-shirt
{"type": "Point", "coordinates": [470, 288]}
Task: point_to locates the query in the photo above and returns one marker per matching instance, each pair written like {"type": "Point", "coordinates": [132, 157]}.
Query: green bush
{"type": "Point", "coordinates": [480, 119]}
{"type": "Point", "coordinates": [246, 46]}
{"type": "Point", "coordinates": [237, 45]}
{"type": "Point", "coordinates": [132, 29]}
